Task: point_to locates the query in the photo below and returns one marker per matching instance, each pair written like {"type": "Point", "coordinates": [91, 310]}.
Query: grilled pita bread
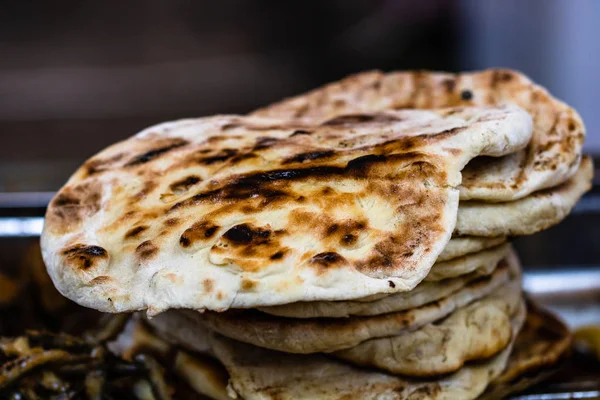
{"type": "Point", "coordinates": [474, 332]}
{"type": "Point", "coordinates": [531, 214]}
{"type": "Point", "coordinates": [458, 273]}
{"type": "Point", "coordinates": [233, 212]}
{"type": "Point", "coordinates": [257, 373]}
{"type": "Point", "coordinates": [551, 158]}
{"type": "Point", "coordinates": [330, 334]}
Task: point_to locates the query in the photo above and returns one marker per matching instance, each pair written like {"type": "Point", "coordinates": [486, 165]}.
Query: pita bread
{"type": "Point", "coordinates": [257, 373]}
{"type": "Point", "coordinates": [473, 266]}
{"type": "Point", "coordinates": [482, 262]}
{"type": "Point", "coordinates": [526, 216]}
{"type": "Point", "coordinates": [541, 345]}
{"type": "Point", "coordinates": [550, 159]}
{"type": "Point", "coordinates": [239, 212]}
{"type": "Point", "coordinates": [330, 334]}
{"type": "Point", "coordinates": [475, 332]}
{"type": "Point", "coordinates": [460, 246]}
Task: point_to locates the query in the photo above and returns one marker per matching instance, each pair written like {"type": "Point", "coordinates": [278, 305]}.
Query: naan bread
{"type": "Point", "coordinates": [239, 212]}
{"type": "Point", "coordinates": [461, 246]}
{"type": "Point", "coordinates": [472, 267]}
{"type": "Point", "coordinates": [531, 214]}
{"type": "Point", "coordinates": [257, 373]}
{"type": "Point", "coordinates": [329, 334]}
{"type": "Point", "coordinates": [475, 332]}
{"type": "Point", "coordinates": [541, 345]}
{"type": "Point", "coordinates": [550, 159]}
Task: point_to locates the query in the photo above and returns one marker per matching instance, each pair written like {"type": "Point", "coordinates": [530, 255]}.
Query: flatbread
{"type": "Point", "coordinates": [239, 212]}
{"type": "Point", "coordinates": [257, 373]}
{"type": "Point", "coordinates": [543, 342]}
{"type": "Point", "coordinates": [459, 246]}
{"type": "Point", "coordinates": [474, 332]}
{"type": "Point", "coordinates": [482, 262]}
{"type": "Point", "coordinates": [526, 216]}
{"type": "Point", "coordinates": [551, 158]}
{"type": "Point", "coordinates": [330, 334]}
{"type": "Point", "coordinates": [472, 267]}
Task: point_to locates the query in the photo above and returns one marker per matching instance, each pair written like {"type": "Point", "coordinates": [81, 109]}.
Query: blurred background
{"type": "Point", "coordinates": [76, 76]}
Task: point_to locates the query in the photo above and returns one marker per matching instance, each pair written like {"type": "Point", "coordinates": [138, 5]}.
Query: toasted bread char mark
{"type": "Point", "coordinates": [184, 184]}
{"type": "Point", "coordinates": [73, 204]}
{"type": "Point", "coordinates": [84, 257]}
{"type": "Point", "coordinates": [327, 259]}
{"type": "Point", "coordinates": [223, 155]}
{"type": "Point", "coordinates": [154, 153]}
{"type": "Point", "coordinates": [135, 232]}
{"type": "Point", "coordinates": [309, 156]}
{"type": "Point", "coordinates": [200, 231]}
{"type": "Point", "coordinates": [96, 165]}
{"type": "Point", "coordinates": [300, 132]}
{"type": "Point", "coordinates": [146, 250]}
{"type": "Point", "coordinates": [256, 184]}
{"type": "Point", "coordinates": [354, 119]}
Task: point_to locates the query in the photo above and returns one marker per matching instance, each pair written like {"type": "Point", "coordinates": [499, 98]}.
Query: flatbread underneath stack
{"type": "Point", "coordinates": [459, 246]}
{"type": "Point", "coordinates": [444, 279]}
{"type": "Point", "coordinates": [257, 373]}
{"type": "Point", "coordinates": [475, 332]}
{"type": "Point", "coordinates": [541, 343]}
{"type": "Point", "coordinates": [315, 335]}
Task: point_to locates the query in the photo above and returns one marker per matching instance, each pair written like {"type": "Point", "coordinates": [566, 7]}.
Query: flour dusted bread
{"type": "Point", "coordinates": [229, 211]}
{"type": "Point", "coordinates": [550, 159]}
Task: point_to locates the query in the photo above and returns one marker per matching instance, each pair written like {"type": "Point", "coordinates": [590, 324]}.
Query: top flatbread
{"type": "Point", "coordinates": [551, 158]}
{"type": "Point", "coordinates": [232, 212]}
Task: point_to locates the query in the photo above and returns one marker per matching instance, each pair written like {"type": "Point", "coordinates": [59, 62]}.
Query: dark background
{"type": "Point", "coordinates": [76, 76]}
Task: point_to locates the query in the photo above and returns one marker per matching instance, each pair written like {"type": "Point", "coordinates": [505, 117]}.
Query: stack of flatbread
{"type": "Point", "coordinates": [348, 243]}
